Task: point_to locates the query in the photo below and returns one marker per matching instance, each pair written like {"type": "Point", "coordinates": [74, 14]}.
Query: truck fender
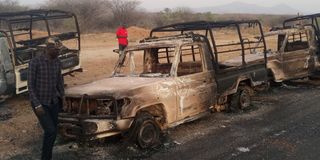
{"type": "Point", "coordinates": [156, 110]}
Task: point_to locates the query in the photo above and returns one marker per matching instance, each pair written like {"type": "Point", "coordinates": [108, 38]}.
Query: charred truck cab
{"type": "Point", "coordinates": [292, 53]}
{"type": "Point", "coordinates": [160, 83]}
{"type": "Point", "coordinates": [22, 37]}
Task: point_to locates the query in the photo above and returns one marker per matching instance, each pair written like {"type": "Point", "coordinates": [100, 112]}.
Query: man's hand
{"type": "Point", "coordinates": [39, 110]}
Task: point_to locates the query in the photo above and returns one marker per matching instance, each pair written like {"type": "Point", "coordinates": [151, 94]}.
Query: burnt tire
{"type": "Point", "coordinates": [240, 100]}
{"type": "Point", "coordinates": [145, 131]}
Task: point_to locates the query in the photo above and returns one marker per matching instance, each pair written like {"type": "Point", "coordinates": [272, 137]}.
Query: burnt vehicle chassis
{"type": "Point", "coordinates": [178, 91]}
{"type": "Point", "coordinates": [24, 34]}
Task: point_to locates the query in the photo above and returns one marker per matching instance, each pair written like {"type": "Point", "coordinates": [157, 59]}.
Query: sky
{"type": "Point", "coordinates": [302, 5]}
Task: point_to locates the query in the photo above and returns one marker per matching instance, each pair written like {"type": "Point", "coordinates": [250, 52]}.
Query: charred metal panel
{"type": "Point", "coordinates": [7, 77]}
{"type": "Point", "coordinates": [295, 60]}
{"type": "Point", "coordinates": [229, 79]}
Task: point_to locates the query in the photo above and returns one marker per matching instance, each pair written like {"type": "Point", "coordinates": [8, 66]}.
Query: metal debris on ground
{"type": "Point", "coordinates": [280, 133]}
{"type": "Point", "coordinates": [176, 142]}
{"type": "Point", "coordinates": [243, 149]}
{"type": "Point", "coordinates": [288, 86]}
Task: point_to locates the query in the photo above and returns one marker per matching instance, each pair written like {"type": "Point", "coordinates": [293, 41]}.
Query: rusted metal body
{"type": "Point", "coordinates": [295, 56]}
{"type": "Point", "coordinates": [227, 73]}
{"type": "Point", "coordinates": [173, 78]}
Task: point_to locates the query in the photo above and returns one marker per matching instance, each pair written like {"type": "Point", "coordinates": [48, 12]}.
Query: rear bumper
{"type": "Point", "coordinates": [91, 129]}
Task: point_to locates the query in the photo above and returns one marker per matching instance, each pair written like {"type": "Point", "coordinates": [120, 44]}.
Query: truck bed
{"type": "Point", "coordinates": [232, 70]}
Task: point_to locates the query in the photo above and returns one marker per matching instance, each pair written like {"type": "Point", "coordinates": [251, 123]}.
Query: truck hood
{"type": "Point", "coordinates": [114, 86]}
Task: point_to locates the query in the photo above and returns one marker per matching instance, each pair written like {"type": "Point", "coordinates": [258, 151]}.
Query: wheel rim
{"type": "Point", "coordinates": [245, 99]}
{"type": "Point", "coordinates": [147, 135]}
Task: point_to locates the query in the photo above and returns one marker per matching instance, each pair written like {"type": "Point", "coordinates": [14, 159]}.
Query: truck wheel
{"type": "Point", "coordinates": [145, 131]}
{"type": "Point", "coordinates": [241, 99]}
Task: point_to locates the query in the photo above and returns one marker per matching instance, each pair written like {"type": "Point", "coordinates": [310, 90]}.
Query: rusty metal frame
{"type": "Point", "coordinates": [80, 118]}
{"type": "Point", "coordinates": [208, 27]}
{"type": "Point", "coordinates": [11, 18]}
{"type": "Point", "coordinates": [85, 102]}
{"type": "Point", "coordinates": [313, 18]}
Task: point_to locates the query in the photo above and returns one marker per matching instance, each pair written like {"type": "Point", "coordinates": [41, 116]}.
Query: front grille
{"type": "Point", "coordinates": [92, 106]}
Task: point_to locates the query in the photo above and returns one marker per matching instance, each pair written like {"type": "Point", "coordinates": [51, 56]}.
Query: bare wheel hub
{"type": "Point", "coordinates": [148, 134]}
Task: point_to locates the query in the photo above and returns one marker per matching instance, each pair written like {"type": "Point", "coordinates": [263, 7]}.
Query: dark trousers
{"type": "Point", "coordinates": [122, 47]}
{"type": "Point", "coordinates": [49, 122]}
{"type": "Point", "coordinates": [121, 52]}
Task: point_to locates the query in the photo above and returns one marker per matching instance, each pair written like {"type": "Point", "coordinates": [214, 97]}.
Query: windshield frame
{"type": "Point", "coordinates": [129, 55]}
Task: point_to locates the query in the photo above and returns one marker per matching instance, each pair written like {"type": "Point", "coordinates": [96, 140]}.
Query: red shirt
{"type": "Point", "coordinates": [122, 35]}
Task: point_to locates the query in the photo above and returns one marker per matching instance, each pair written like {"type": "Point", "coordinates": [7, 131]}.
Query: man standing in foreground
{"type": "Point", "coordinates": [46, 90]}
{"type": "Point", "coordinates": [122, 35]}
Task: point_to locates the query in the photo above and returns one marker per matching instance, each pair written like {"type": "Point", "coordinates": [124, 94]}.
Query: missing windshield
{"type": "Point", "coordinates": [148, 62]}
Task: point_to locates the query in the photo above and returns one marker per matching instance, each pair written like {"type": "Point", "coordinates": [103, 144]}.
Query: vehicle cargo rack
{"type": "Point", "coordinates": [209, 26]}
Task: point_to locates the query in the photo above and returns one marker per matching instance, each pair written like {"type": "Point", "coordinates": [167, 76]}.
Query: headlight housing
{"type": "Point", "coordinates": [123, 102]}
{"type": "Point", "coordinates": [111, 107]}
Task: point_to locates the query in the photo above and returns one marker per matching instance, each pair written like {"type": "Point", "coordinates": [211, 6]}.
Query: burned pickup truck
{"type": "Point", "coordinates": [291, 53]}
{"type": "Point", "coordinates": [22, 37]}
{"type": "Point", "coordinates": [160, 83]}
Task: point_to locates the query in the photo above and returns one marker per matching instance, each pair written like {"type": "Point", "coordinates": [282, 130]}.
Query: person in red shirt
{"type": "Point", "coordinates": [122, 35]}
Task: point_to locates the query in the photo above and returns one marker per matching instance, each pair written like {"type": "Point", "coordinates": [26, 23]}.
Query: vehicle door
{"type": "Point", "coordinates": [7, 74]}
{"type": "Point", "coordinates": [296, 57]}
{"type": "Point", "coordinates": [194, 81]}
